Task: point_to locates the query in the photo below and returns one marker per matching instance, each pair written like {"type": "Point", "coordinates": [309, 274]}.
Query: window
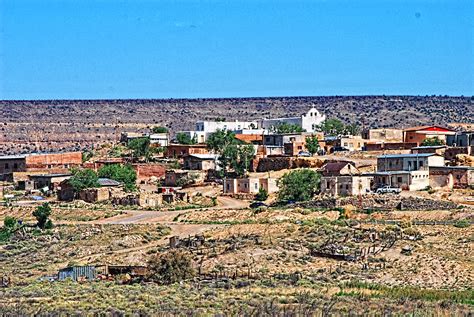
{"type": "Point", "coordinates": [15, 165]}
{"type": "Point", "coordinates": [6, 166]}
{"type": "Point", "coordinates": [421, 163]}
{"type": "Point", "coordinates": [347, 186]}
{"type": "Point", "coordinates": [399, 179]}
{"type": "Point", "coordinates": [246, 185]}
{"type": "Point", "coordinates": [256, 186]}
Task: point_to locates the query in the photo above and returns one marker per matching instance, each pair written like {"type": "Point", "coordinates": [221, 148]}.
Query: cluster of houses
{"type": "Point", "coordinates": [404, 162]}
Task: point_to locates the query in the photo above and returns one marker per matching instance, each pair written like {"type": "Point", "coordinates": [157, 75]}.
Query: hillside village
{"type": "Point", "coordinates": [351, 161]}
{"type": "Point", "coordinates": [229, 193]}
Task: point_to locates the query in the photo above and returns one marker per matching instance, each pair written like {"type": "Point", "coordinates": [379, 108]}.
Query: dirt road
{"type": "Point", "coordinates": [166, 217]}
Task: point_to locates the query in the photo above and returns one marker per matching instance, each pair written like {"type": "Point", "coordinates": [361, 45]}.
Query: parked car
{"type": "Point", "coordinates": [340, 149]}
{"type": "Point", "coordinates": [388, 190]}
{"type": "Point", "coordinates": [304, 153]}
{"type": "Point", "coordinates": [258, 204]}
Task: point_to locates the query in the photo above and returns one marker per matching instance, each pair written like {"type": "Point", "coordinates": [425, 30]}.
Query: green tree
{"type": "Point", "coordinates": [116, 151]}
{"type": "Point", "coordinates": [171, 267]}
{"type": "Point", "coordinates": [352, 129]}
{"type": "Point", "coordinates": [121, 173]}
{"type": "Point", "coordinates": [236, 157]}
{"type": "Point", "coordinates": [83, 178]}
{"type": "Point", "coordinates": [218, 140]}
{"type": "Point", "coordinates": [140, 147]}
{"type": "Point", "coordinates": [286, 127]}
{"type": "Point", "coordinates": [86, 156]}
{"type": "Point", "coordinates": [332, 127]}
{"type": "Point", "coordinates": [10, 222]}
{"type": "Point", "coordinates": [299, 185]}
{"type": "Point", "coordinates": [432, 142]}
{"type": "Point", "coordinates": [159, 130]}
{"type": "Point", "coordinates": [42, 214]}
{"type": "Point", "coordinates": [262, 194]}
{"type": "Point", "coordinates": [312, 144]}
{"type": "Point", "coordinates": [184, 138]}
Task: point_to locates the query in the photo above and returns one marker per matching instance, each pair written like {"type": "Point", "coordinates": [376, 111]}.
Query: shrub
{"type": "Point", "coordinates": [170, 267]}
{"type": "Point", "coordinates": [262, 194]}
{"type": "Point", "coordinates": [462, 223]}
{"type": "Point", "coordinates": [42, 214]}
{"type": "Point", "coordinates": [9, 222]}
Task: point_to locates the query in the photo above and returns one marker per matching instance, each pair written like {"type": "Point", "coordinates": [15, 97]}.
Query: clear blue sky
{"type": "Point", "coordinates": [175, 49]}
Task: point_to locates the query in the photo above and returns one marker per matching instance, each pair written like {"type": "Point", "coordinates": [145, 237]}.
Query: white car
{"type": "Point", "coordinates": [388, 190]}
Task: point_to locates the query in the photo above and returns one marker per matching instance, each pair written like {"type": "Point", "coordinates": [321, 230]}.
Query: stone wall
{"type": "Point", "coordinates": [283, 162]}
{"type": "Point", "coordinates": [381, 202]}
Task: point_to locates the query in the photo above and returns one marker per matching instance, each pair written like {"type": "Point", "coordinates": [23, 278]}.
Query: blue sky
{"type": "Point", "coordinates": [177, 49]}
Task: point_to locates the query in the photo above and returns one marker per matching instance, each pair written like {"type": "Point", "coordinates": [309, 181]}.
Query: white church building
{"type": "Point", "coordinates": [308, 121]}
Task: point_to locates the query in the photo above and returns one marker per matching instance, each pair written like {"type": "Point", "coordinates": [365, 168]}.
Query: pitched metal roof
{"type": "Point", "coordinates": [411, 155]}
{"type": "Point", "coordinates": [12, 157]}
{"type": "Point", "coordinates": [204, 156]}
{"type": "Point", "coordinates": [108, 182]}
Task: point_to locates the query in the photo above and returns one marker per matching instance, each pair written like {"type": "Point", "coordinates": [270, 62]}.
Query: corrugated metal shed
{"type": "Point", "coordinates": [108, 182]}
{"type": "Point", "coordinates": [77, 273]}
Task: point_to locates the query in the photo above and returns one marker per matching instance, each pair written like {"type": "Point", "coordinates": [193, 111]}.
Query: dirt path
{"type": "Point", "coordinates": [165, 218]}
{"type": "Point", "coordinates": [148, 216]}
{"type": "Point", "coordinates": [162, 217]}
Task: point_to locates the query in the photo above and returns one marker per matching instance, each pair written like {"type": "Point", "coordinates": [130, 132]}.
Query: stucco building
{"type": "Point", "coordinates": [307, 121]}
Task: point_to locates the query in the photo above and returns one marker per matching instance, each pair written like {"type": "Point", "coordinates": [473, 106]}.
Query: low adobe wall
{"type": "Point", "coordinates": [279, 163]}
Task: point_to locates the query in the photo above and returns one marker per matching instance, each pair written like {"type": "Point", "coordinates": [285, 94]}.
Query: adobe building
{"type": "Point", "coordinates": [182, 150]}
{"type": "Point", "coordinates": [11, 164]}
{"type": "Point", "coordinates": [408, 162]}
{"type": "Point", "coordinates": [419, 134]}
{"type": "Point", "coordinates": [451, 177]}
{"type": "Point", "coordinates": [249, 185]}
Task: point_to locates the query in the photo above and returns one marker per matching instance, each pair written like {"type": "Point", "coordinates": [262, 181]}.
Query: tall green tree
{"type": "Point", "coordinates": [121, 173]}
{"type": "Point", "coordinates": [299, 185]}
{"type": "Point", "coordinates": [83, 178]}
{"type": "Point", "coordinates": [353, 129]}
{"type": "Point", "coordinates": [236, 157]}
{"type": "Point", "coordinates": [218, 140]}
{"type": "Point", "coordinates": [159, 130]}
{"type": "Point", "coordinates": [184, 138]}
{"type": "Point", "coordinates": [312, 144]}
{"type": "Point", "coordinates": [286, 127]}
{"type": "Point", "coordinates": [140, 147]}
{"type": "Point", "coordinates": [332, 127]}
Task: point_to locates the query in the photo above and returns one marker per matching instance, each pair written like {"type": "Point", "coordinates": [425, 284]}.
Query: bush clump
{"type": "Point", "coordinates": [170, 267]}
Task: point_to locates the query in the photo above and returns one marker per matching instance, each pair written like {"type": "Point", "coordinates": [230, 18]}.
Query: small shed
{"type": "Point", "coordinates": [77, 273]}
